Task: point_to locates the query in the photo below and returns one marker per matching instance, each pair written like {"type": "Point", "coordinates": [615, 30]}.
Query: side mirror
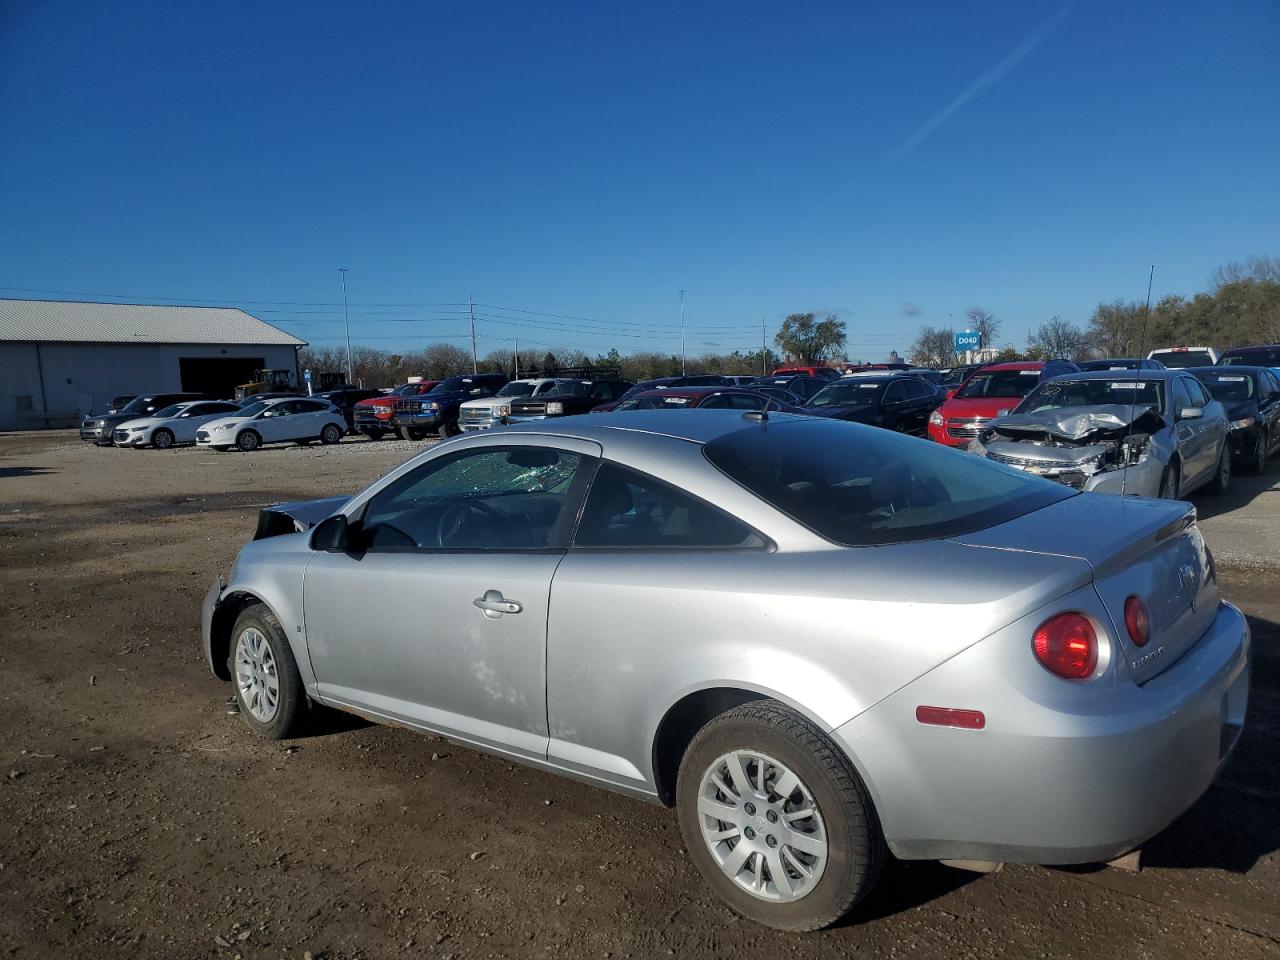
{"type": "Point", "coordinates": [332, 535]}
{"type": "Point", "coordinates": [476, 392]}
{"type": "Point", "coordinates": [1191, 413]}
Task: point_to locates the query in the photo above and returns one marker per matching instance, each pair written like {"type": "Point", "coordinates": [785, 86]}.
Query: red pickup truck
{"type": "Point", "coordinates": [373, 416]}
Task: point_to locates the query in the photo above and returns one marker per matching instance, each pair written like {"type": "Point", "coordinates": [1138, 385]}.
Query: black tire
{"type": "Point", "coordinates": [248, 441]}
{"type": "Point", "coordinates": [1222, 476]}
{"type": "Point", "coordinates": [331, 434]}
{"type": "Point", "coordinates": [450, 428]}
{"type": "Point", "coordinates": [1169, 482]}
{"type": "Point", "coordinates": [856, 849]}
{"type": "Point", "coordinates": [162, 439]}
{"type": "Point", "coordinates": [409, 433]}
{"type": "Point", "coordinates": [374, 434]}
{"type": "Point", "coordinates": [291, 705]}
{"type": "Point", "coordinates": [1261, 452]}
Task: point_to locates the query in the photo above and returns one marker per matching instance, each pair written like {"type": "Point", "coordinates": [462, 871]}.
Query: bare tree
{"type": "Point", "coordinates": [986, 325]}
{"type": "Point", "coordinates": [933, 347]}
{"type": "Point", "coordinates": [1058, 338]}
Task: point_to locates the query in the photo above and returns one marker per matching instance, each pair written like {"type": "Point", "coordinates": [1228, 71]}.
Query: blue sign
{"type": "Point", "coordinates": [306, 374]}
{"type": "Point", "coordinates": [968, 340]}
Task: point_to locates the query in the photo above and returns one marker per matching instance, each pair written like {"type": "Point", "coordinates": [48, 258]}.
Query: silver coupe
{"type": "Point", "coordinates": [823, 643]}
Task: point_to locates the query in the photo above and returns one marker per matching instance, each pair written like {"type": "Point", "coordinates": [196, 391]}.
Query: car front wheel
{"type": "Point", "coordinates": [1222, 477]}
{"type": "Point", "coordinates": [248, 441]}
{"type": "Point", "coordinates": [776, 818]}
{"type": "Point", "coordinates": [162, 439]}
{"type": "Point", "coordinates": [331, 434]}
{"type": "Point", "coordinates": [268, 687]}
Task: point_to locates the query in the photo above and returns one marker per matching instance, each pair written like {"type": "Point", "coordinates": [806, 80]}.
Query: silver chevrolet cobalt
{"type": "Point", "coordinates": [821, 642]}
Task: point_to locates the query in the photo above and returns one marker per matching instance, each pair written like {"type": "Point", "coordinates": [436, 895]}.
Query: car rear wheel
{"type": "Point", "coordinates": [248, 441]}
{"type": "Point", "coordinates": [268, 687]}
{"type": "Point", "coordinates": [374, 434]}
{"type": "Point", "coordinates": [410, 433]}
{"type": "Point", "coordinates": [1222, 476]}
{"type": "Point", "coordinates": [776, 818]}
{"type": "Point", "coordinates": [162, 439]}
{"type": "Point", "coordinates": [331, 434]}
{"type": "Point", "coordinates": [449, 428]}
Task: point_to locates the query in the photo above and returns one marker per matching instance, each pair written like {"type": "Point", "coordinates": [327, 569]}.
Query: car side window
{"type": "Point", "coordinates": [896, 393]}
{"type": "Point", "coordinates": [628, 509]}
{"type": "Point", "coordinates": [496, 498]}
{"type": "Point", "coordinates": [1181, 396]}
{"type": "Point", "coordinates": [1199, 398]}
{"type": "Point", "coordinates": [744, 401]}
{"type": "Point", "coordinates": [309, 406]}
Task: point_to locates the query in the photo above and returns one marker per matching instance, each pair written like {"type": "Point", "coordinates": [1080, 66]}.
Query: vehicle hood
{"type": "Point", "coordinates": [442, 398]}
{"type": "Point", "coordinates": [978, 407]}
{"type": "Point", "coordinates": [1079, 423]}
{"type": "Point", "coordinates": [486, 402]}
{"type": "Point", "coordinates": [225, 421]}
{"type": "Point", "coordinates": [115, 419]}
{"type": "Point", "coordinates": [145, 422]}
{"type": "Point", "coordinates": [296, 517]}
{"type": "Point", "coordinates": [1245, 408]}
{"type": "Point", "coordinates": [387, 401]}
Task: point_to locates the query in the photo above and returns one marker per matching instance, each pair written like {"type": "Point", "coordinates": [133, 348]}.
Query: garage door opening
{"type": "Point", "coordinates": [217, 376]}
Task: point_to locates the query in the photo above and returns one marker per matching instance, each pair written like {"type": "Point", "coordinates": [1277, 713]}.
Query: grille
{"type": "Point", "coordinates": [534, 408]}
{"type": "Point", "coordinates": [202, 435]}
{"type": "Point", "coordinates": [966, 429]}
{"type": "Point", "coordinates": [121, 435]}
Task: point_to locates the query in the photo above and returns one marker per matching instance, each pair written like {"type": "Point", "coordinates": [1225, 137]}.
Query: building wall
{"type": "Point", "coordinates": [80, 378]}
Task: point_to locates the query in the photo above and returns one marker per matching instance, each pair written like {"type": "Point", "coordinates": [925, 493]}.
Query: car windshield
{"type": "Point", "coordinates": [999, 383]}
{"type": "Point", "coordinates": [568, 388]}
{"type": "Point", "coordinates": [253, 409]}
{"type": "Point", "coordinates": [1181, 359]}
{"type": "Point", "coordinates": [515, 389]}
{"type": "Point", "coordinates": [455, 385]}
{"type": "Point", "coordinates": [170, 411]}
{"type": "Point", "coordinates": [136, 405]}
{"type": "Point", "coordinates": [1055, 394]}
{"type": "Point", "coordinates": [1111, 365]}
{"type": "Point", "coordinates": [1251, 358]}
{"type": "Point", "coordinates": [406, 390]}
{"type": "Point", "coordinates": [1228, 387]}
{"type": "Point", "coordinates": [857, 394]}
{"type": "Point", "coordinates": [863, 486]}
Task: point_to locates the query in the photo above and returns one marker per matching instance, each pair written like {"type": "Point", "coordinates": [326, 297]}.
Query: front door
{"type": "Point", "coordinates": [440, 620]}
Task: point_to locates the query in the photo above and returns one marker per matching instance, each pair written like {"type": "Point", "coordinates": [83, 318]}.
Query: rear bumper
{"type": "Point", "coordinates": [1062, 773]}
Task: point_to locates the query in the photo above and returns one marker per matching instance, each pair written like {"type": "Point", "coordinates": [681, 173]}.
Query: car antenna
{"type": "Point", "coordinates": [1133, 401]}
{"type": "Point", "coordinates": [761, 415]}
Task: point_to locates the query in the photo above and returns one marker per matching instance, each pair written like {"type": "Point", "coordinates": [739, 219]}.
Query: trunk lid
{"type": "Point", "coordinates": [1151, 549]}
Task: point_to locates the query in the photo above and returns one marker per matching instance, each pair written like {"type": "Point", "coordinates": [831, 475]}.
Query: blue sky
{"type": "Point", "coordinates": [578, 163]}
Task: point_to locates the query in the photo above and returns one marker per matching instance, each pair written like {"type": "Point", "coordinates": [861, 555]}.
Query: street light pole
{"type": "Point", "coordinates": [683, 361]}
{"type": "Point", "coordinates": [346, 322]}
{"type": "Point", "coordinates": [475, 364]}
{"type": "Point", "coordinates": [516, 353]}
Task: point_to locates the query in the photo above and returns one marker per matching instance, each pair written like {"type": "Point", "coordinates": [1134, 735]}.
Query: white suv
{"type": "Point", "coordinates": [298, 419]}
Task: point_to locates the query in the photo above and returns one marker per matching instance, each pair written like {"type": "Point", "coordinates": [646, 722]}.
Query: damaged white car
{"type": "Point", "coordinates": [1143, 433]}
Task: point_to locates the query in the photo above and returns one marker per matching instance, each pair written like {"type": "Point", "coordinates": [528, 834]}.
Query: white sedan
{"type": "Point", "coordinates": [273, 421]}
{"type": "Point", "coordinates": [173, 425]}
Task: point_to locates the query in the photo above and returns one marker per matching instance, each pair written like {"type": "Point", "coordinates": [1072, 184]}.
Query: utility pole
{"type": "Point", "coordinates": [1146, 316]}
{"type": "Point", "coordinates": [764, 349]}
{"type": "Point", "coordinates": [683, 362]}
{"type": "Point", "coordinates": [346, 321]}
{"type": "Point", "coordinates": [475, 363]}
{"type": "Point", "coordinates": [516, 353]}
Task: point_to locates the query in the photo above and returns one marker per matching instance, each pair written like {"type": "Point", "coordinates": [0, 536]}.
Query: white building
{"type": "Point", "coordinates": [60, 360]}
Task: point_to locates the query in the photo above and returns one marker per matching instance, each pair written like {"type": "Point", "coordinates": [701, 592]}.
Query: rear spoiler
{"type": "Point", "coordinates": [298, 517]}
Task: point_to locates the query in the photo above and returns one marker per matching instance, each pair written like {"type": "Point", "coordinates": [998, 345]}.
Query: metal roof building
{"type": "Point", "coordinates": [61, 360]}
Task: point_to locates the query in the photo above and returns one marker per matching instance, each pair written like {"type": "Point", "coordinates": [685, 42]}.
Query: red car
{"type": "Point", "coordinates": [802, 370]}
{"type": "Point", "coordinates": [990, 392]}
{"type": "Point", "coordinates": [373, 416]}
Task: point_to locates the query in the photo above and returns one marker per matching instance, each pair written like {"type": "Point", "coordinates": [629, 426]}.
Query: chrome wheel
{"type": "Point", "coordinates": [762, 826]}
{"type": "Point", "coordinates": [162, 439]}
{"type": "Point", "coordinates": [256, 675]}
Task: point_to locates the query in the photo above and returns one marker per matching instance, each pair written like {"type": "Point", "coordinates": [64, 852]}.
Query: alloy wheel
{"type": "Point", "coordinates": [162, 440]}
{"type": "Point", "coordinates": [256, 675]}
{"type": "Point", "coordinates": [762, 826]}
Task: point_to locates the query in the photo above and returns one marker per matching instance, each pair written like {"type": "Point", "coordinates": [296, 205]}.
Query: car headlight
{"type": "Point", "coordinates": [554, 408]}
{"type": "Point", "coordinates": [1244, 423]}
{"type": "Point", "coordinates": [137, 429]}
{"type": "Point", "coordinates": [504, 410]}
{"type": "Point", "coordinates": [102, 423]}
{"type": "Point", "coordinates": [936, 418]}
{"type": "Point", "coordinates": [427, 407]}
{"type": "Point", "coordinates": [224, 426]}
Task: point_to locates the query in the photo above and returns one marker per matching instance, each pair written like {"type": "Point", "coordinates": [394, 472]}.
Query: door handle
{"type": "Point", "coordinates": [493, 605]}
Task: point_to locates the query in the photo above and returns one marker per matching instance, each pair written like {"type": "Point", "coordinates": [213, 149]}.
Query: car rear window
{"type": "Point", "coordinates": [1251, 358]}
{"type": "Point", "coordinates": [999, 383]}
{"type": "Point", "coordinates": [1181, 359]}
{"type": "Point", "coordinates": [863, 486]}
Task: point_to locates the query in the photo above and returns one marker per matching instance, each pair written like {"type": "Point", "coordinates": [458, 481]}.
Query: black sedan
{"type": "Point", "coordinates": [1251, 396]}
{"type": "Point", "coordinates": [895, 402]}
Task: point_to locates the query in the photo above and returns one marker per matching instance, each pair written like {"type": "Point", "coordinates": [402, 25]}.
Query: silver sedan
{"type": "Point", "coordinates": [822, 643]}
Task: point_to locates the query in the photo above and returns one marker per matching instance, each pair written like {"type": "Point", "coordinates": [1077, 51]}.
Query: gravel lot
{"type": "Point", "coordinates": [139, 820]}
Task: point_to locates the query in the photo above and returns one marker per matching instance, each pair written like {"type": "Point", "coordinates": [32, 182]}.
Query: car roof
{"type": "Point", "coordinates": [1229, 368]}
{"type": "Point", "coordinates": [1016, 365]}
{"type": "Point", "coordinates": [1252, 348]}
{"type": "Point", "coordinates": [1122, 375]}
{"type": "Point", "coordinates": [878, 376]}
{"type": "Point", "coordinates": [693, 426]}
{"type": "Point", "coordinates": [700, 390]}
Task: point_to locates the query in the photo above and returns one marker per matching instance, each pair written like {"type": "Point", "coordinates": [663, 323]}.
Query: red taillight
{"type": "Point", "coordinates": [1137, 622]}
{"type": "Point", "coordinates": [951, 717]}
{"type": "Point", "coordinates": [1067, 646]}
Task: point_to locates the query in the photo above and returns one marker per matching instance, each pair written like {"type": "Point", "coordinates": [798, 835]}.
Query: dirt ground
{"type": "Point", "coordinates": [138, 819]}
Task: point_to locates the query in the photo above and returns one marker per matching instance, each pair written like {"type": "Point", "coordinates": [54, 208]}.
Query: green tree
{"type": "Point", "coordinates": [810, 340]}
